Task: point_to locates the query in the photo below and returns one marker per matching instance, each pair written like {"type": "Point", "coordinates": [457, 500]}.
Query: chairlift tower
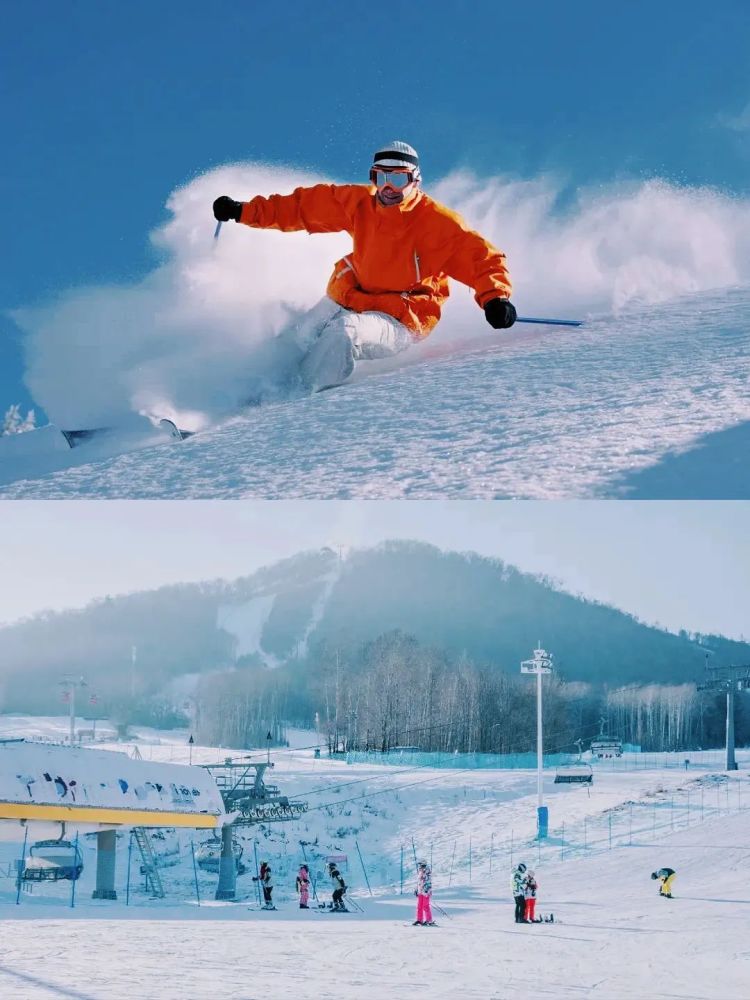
{"type": "Point", "coordinates": [539, 664]}
{"type": "Point", "coordinates": [730, 678]}
{"type": "Point", "coordinates": [244, 792]}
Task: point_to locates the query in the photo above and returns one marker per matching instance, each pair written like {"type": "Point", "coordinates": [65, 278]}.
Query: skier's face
{"type": "Point", "coordinates": [393, 185]}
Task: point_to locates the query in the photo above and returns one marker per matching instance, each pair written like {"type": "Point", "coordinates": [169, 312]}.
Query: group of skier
{"type": "Point", "coordinates": [524, 888]}
{"type": "Point", "coordinates": [303, 883]}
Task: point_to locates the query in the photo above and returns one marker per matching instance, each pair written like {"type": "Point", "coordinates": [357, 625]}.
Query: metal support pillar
{"type": "Point", "coordinates": [106, 855]}
{"type": "Point", "coordinates": [731, 762]}
{"type": "Point", "coordinates": [227, 887]}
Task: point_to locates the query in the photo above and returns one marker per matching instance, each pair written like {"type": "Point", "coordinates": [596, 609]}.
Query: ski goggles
{"type": "Point", "coordinates": [395, 178]}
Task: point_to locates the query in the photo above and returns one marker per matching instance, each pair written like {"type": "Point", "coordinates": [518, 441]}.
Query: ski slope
{"type": "Point", "coordinates": [613, 937]}
{"type": "Point", "coordinates": [652, 404]}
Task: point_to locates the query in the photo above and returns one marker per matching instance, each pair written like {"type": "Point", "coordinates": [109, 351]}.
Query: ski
{"type": "Point", "coordinates": [78, 437]}
{"type": "Point", "coordinates": [175, 432]}
{"type": "Point", "coordinates": [75, 438]}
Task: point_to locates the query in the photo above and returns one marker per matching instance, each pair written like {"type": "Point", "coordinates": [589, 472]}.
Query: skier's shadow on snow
{"type": "Point", "coordinates": [58, 991]}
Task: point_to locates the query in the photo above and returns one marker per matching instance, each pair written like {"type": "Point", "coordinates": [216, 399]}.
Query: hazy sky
{"type": "Point", "coordinates": [682, 565]}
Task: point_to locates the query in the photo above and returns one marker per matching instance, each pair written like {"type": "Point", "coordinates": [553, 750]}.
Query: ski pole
{"type": "Point", "coordinates": [439, 908]}
{"type": "Point", "coordinates": [545, 322]}
{"type": "Point", "coordinates": [364, 870]}
{"type": "Point", "coordinates": [217, 230]}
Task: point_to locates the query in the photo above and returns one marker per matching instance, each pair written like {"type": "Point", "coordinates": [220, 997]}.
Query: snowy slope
{"type": "Point", "coordinates": [614, 938]}
{"type": "Point", "coordinates": [548, 414]}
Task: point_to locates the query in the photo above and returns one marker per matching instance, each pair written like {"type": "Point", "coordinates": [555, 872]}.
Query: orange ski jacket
{"type": "Point", "coordinates": [403, 254]}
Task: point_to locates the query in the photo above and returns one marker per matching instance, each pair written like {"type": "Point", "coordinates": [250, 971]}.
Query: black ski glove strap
{"type": "Point", "coordinates": [500, 313]}
{"type": "Point", "coordinates": [226, 208]}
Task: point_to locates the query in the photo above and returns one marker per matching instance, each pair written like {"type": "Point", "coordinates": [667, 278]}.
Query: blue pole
{"type": "Point", "coordinates": [22, 864]}
{"type": "Point", "coordinates": [217, 230]}
{"type": "Point", "coordinates": [547, 322]}
{"type": "Point", "coordinates": [195, 873]}
{"type": "Point", "coordinates": [402, 869]}
{"type": "Point", "coordinates": [130, 853]}
{"type": "Point", "coordinates": [73, 885]}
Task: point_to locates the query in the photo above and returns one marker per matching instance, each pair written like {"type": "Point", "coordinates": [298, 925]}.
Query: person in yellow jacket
{"type": "Point", "coordinates": [666, 879]}
{"type": "Point", "coordinates": [389, 291]}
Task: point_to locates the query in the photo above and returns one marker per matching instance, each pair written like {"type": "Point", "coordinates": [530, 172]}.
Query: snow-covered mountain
{"type": "Point", "coordinates": [457, 602]}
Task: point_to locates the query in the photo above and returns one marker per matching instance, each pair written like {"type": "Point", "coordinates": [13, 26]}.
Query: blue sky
{"type": "Point", "coordinates": [679, 564]}
{"type": "Point", "coordinates": [107, 107]}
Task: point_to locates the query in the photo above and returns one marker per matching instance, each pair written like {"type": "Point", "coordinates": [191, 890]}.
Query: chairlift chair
{"type": "Point", "coordinates": [208, 855]}
{"type": "Point", "coordinates": [577, 773]}
{"type": "Point", "coordinates": [608, 747]}
{"type": "Point", "coordinates": [52, 860]}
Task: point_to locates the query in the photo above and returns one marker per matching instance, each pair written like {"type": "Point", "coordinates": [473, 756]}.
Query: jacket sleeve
{"type": "Point", "coordinates": [324, 208]}
{"type": "Point", "coordinates": [475, 262]}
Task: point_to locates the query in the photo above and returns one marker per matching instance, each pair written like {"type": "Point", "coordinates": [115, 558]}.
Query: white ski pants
{"type": "Point", "coordinates": [372, 334]}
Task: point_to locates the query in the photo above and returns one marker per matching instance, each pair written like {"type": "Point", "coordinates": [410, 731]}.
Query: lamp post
{"type": "Point", "coordinates": [69, 685]}
{"type": "Point", "coordinates": [539, 664]}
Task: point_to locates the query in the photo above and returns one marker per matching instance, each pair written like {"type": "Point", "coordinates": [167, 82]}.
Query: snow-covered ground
{"type": "Point", "coordinates": [613, 937]}
{"type": "Point", "coordinates": [654, 402]}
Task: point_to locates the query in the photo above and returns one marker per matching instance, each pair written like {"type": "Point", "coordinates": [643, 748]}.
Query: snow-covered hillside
{"type": "Point", "coordinates": [652, 403]}
{"type": "Point", "coordinates": [613, 937]}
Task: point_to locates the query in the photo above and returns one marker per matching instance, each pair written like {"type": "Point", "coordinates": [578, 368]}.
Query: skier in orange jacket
{"type": "Point", "coordinates": [388, 292]}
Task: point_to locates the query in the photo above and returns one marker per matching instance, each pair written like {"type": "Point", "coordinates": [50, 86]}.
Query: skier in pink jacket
{"type": "Point", "coordinates": [303, 886]}
{"type": "Point", "coordinates": [423, 892]}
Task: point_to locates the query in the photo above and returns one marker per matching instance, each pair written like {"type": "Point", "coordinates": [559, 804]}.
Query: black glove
{"type": "Point", "coordinates": [500, 313]}
{"type": "Point", "coordinates": [226, 208]}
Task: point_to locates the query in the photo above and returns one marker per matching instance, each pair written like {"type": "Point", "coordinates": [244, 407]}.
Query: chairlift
{"type": "Point", "coordinates": [208, 855]}
{"type": "Point", "coordinates": [576, 773]}
{"type": "Point", "coordinates": [52, 860]}
{"type": "Point", "coordinates": [602, 748]}
{"type": "Point", "coordinates": [604, 745]}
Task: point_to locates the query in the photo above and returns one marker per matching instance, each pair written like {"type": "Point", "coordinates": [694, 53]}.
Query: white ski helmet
{"type": "Point", "coordinates": [398, 154]}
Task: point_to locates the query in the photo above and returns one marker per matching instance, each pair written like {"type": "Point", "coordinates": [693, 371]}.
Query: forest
{"type": "Point", "coordinates": [394, 691]}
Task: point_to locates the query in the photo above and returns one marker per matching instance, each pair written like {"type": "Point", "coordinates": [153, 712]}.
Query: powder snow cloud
{"type": "Point", "coordinates": [197, 329]}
